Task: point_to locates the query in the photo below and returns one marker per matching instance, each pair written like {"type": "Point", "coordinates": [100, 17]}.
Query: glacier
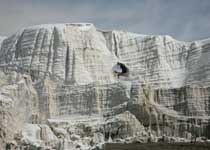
{"type": "Point", "coordinates": [66, 85]}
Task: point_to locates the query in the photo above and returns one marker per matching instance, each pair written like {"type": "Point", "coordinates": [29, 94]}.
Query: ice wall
{"type": "Point", "coordinates": [18, 104]}
{"type": "Point", "coordinates": [74, 53]}
{"type": "Point", "coordinates": [71, 66]}
{"type": "Point", "coordinates": [65, 71]}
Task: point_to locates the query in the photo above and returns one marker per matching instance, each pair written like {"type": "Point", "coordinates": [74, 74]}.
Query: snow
{"type": "Point", "coordinates": [1, 40]}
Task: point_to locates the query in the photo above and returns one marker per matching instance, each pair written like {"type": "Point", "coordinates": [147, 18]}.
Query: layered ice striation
{"type": "Point", "coordinates": [81, 54]}
{"type": "Point", "coordinates": [72, 53]}
{"type": "Point", "coordinates": [77, 69]}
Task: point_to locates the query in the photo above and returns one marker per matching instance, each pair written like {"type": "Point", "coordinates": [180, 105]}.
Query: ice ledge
{"type": "Point", "coordinates": [82, 26]}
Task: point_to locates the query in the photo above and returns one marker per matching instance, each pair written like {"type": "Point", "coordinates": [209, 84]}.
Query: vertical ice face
{"type": "Point", "coordinates": [159, 60]}
{"type": "Point", "coordinates": [2, 38]}
{"type": "Point", "coordinates": [71, 60]}
{"type": "Point", "coordinates": [87, 57]}
{"type": "Point", "coordinates": [66, 70]}
{"type": "Point", "coordinates": [81, 54]}
{"type": "Point", "coordinates": [75, 53]}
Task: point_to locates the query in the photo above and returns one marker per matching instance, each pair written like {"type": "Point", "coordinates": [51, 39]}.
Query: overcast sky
{"type": "Point", "coordinates": [183, 19]}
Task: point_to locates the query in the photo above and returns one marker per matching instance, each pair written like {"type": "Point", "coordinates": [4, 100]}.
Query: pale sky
{"type": "Point", "coordinates": [185, 20]}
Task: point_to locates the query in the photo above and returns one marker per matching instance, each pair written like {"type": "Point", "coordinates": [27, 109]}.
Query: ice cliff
{"type": "Point", "coordinates": [58, 73]}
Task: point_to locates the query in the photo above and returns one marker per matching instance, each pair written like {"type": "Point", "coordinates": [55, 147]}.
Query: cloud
{"type": "Point", "coordinates": [185, 20]}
